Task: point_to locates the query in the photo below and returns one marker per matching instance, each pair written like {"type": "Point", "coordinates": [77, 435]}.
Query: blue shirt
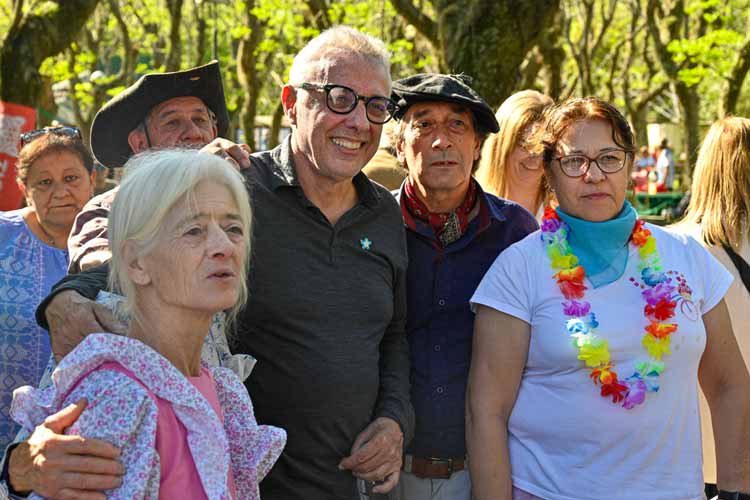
{"type": "Point", "coordinates": [28, 269]}
{"type": "Point", "coordinates": [440, 324]}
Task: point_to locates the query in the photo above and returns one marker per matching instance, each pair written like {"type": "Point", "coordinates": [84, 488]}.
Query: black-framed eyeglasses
{"type": "Point", "coordinates": [608, 162]}
{"type": "Point", "coordinates": [342, 100]}
{"type": "Point", "coordinates": [65, 130]}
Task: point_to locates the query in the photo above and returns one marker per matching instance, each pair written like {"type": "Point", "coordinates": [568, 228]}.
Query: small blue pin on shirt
{"type": "Point", "coordinates": [366, 243]}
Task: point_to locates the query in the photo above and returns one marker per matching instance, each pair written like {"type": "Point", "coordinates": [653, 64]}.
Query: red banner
{"type": "Point", "coordinates": [15, 119]}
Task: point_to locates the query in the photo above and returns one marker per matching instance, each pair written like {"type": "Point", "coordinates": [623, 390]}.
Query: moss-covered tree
{"type": "Point", "coordinates": [32, 38]}
{"type": "Point", "coordinates": [487, 39]}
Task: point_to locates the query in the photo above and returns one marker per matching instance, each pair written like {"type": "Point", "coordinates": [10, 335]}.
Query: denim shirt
{"type": "Point", "coordinates": [440, 324]}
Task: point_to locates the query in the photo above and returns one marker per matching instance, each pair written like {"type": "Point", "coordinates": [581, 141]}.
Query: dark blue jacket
{"type": "Point", "coordinates": [440, 325]}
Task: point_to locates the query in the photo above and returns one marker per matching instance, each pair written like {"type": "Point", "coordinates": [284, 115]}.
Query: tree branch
{"type": "Point", "coordinates": [737, 77]}
{"type": "Point", "coordinates": [414, 16]}
{"type": "Point", "coordinates": [126, 69]}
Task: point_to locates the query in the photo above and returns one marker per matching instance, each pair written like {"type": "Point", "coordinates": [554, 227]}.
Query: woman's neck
{"type": "Point", "coordinates": [175, 333]}
{"type": "Point", "coordinates": [51, 234]}
{"type": "Point", "coordinates": [526, 195]}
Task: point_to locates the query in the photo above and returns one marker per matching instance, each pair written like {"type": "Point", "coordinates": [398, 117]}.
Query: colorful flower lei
{"type": "Point", "coordinates": [582, 324]}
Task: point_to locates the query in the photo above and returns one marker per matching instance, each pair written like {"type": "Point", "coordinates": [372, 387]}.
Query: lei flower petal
{"type": "Point", "coordinates": [571, 290]}
{"type": "Point", "coordinates": [550, 214]}
{"type": "Point", "coordinates": [640, 234]}
{"type": "Point", "coordinates": [605, 375]}
{"type": "Point", "coordinates": [656, 347]}
{"type": "Point", "coordinates": [661, 330]}
{"type": "Point", "coordinates": [614, 389]}
{"type": "Point", "coordinates": [654, 294]}
{"type": "Point", "coordinates": [648, 248]}
{"type": "Point", "coordinates": [636, 394]}
{"type": "Point", "coordinates": [662, 310]}
{"type": "Point", "coordinates": [576, 308]}
{"type": "Point", "coordinates": [595, 354]}
{"type": "Point", "coordinates": [652, 277]}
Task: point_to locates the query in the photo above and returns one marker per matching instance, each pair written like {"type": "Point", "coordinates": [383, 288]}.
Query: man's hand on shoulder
{"type": "Point", "coordinates": [236, 154]}
{"type": "Point", "coordinates": [64, 467]}
{"type": "Point", "coordinates": [71, 317]}
{"type": "Point", "coordinates": [377, 454]}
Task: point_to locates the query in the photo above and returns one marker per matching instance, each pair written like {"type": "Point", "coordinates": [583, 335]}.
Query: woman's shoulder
{"type": "Point", "coordinates": [680, 238]}
{"type": "Point", "coordinates": [11, 223]}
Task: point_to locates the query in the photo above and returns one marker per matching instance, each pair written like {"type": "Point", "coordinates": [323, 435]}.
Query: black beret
{"type": "Point", "coordinates": [443, 88]}
{"type": "Point", "coordinates": [121, 114]}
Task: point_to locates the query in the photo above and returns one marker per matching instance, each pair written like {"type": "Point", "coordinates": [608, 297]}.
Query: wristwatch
{"type": "Point", "coordinates": [733, 495]}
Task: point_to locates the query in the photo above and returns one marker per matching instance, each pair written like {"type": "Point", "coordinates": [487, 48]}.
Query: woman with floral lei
{"type": "Point", "coordinates": [590, 337]}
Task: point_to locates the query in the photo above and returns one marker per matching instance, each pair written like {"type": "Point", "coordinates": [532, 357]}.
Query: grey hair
{"type": "Point", "coordinates": [154, 181]}
{"type": "Point", "coordinates": [314, 58]}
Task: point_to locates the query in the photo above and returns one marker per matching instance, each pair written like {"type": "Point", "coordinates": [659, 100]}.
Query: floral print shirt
{"type": "Point", "coordinates": [123, 412]}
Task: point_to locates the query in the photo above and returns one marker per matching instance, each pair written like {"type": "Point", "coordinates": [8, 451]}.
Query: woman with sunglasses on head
{"type": "Point", "coordinates": [591, 337]}
{"type": "Point", "coordinates": [507, 168]}
{"type": "Point", "coordinates": [56, 176]}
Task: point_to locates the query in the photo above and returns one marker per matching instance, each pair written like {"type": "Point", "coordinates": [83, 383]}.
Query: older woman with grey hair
{"type": "Point", "coordinates": [180, 238]}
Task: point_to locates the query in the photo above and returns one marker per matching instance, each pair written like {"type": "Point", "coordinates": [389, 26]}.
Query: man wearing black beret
{"type": "Point", "coordinates": [454, 232]}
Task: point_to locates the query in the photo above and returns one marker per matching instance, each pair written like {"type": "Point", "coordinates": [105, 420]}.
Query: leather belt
{"type": "Point", "coordinates": [433, 467]}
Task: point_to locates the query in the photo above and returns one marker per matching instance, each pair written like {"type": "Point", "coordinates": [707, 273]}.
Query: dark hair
{"type": "Point", "coordinates": [51, 143]}
{"type": "Point", "coordinates": [558, 118]}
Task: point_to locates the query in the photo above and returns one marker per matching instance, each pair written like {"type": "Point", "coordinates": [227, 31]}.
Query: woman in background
{"type": "Point", "coordinates": [508, 168]}
{"type": "Point", "coordinates": [717, 216]}
{"type": "Point", "coordinates": [55, 174]}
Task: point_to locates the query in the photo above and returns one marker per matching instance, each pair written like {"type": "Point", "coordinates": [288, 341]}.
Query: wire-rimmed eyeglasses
{"type": "Point", "coordinates": [65, 130]}
{"type": "Point", "coordinates": [342, 100]}
{"type": "Point", "coordinates": [608, 162]}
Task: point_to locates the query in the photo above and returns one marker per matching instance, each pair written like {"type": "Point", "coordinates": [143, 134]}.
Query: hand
{"type": "Point", "coordinates": [71, 317]}
{"type": "Point", "coordinates": [63, 467]}
{"type": "Point", "coordinates": [236, 154]}
{"type": "Point", "coordinates": [377, 453]}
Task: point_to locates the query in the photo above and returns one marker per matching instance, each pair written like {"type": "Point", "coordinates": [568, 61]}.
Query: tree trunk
{"type": "Point", "coordinates": [247, 73]}
{"type": "Point", "coordinates": [734, 82]}
{"type": "Point", "coordinates": [199, 13]}
{"type": "Point", "coordinates": [36, 38]}
{"type": "Point", "coordinates": [175, 42]}
{"type": "Point", "coordinates": [690, 104]}
{"type": "Point", "coordinates": [278, 114]}
{"type": "Point", "coordinates": [486, 39]}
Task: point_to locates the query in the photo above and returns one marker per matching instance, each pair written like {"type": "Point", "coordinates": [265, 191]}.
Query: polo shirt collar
{"type": "Point", "coordinates": [285, 175]}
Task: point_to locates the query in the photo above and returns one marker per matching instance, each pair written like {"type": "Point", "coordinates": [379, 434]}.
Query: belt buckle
{"type": "Point", "coordinates": [448, 462]}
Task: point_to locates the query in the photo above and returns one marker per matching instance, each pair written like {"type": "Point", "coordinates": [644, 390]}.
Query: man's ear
{"type": "Point", "coordinates": [477, 148]}
{"type": "Point", "coordinates": [288, 101]}
{"type": "Point", "coordinates": [137, 272]}
{"type": "Point", "coordinates": [137, 141]}
{"type": "Point", "coordinates": [400, 155]}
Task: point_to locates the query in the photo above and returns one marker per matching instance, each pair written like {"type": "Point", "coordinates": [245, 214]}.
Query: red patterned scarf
{"type": "Point", "coordinates": [448, 227]}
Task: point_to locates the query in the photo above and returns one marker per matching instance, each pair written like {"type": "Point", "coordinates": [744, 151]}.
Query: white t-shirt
{"type": "Point", "coordinates": [738, 303]}
{"type": "Point", "coordinates": [567, 442]}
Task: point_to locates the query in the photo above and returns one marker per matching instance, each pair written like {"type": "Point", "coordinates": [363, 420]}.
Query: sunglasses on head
{"type": "Point", "coordinates": [65, 131]}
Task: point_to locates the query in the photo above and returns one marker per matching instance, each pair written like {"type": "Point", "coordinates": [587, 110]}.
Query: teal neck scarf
{"type": "Point", "coordinates": [601, 247]}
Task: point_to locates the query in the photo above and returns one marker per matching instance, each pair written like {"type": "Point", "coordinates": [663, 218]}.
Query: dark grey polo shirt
{"type": "Point", "coordinates": [325, 319]}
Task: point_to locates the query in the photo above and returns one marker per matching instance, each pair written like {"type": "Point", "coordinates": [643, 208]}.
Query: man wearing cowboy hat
{"type": "Point", "coordinates": [454, 231]}
{"type": "Point", "coordinates": [184, 108]}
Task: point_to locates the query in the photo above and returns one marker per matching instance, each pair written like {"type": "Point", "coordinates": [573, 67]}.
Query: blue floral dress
{"type": "Point", "coordinates": [28, 269]}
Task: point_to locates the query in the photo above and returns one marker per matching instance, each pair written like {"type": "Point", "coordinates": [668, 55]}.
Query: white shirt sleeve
{"type": "Point", "coordinates": [508, 286]}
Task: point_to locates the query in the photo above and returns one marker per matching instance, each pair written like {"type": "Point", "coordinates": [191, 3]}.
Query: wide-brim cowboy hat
{"type": "Point", "coordinates": [425, 87]}
{"type": "Point", "coordinates": [118, 117]}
